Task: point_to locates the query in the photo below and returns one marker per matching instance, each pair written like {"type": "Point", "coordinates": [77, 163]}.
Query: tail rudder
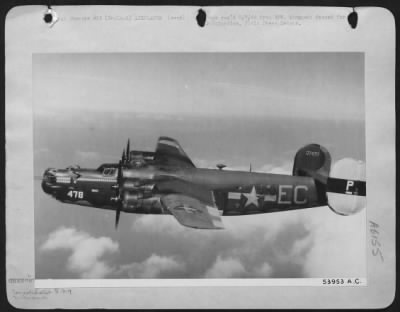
{"type": "Point", "coordinates": [343, 186]}
{"type": "Point", "coordinates": [313, 160]}
{"type": "Point", "coordinates": [346, 188]}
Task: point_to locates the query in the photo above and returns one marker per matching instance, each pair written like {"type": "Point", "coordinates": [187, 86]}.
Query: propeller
{"type": "Point", "coordinates": [127, 152]}
{"type": "Point", "coordinates": [124, 160]}
{"type": "Point", "coordinates": [123, 156]}
{"type": "Point", "coordinates": [119, 202]}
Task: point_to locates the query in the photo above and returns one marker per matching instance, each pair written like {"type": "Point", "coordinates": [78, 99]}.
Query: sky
{"type": "Point", "coordinates": [238, 109]}
{"type": "Point", "coordinates": [302, 85]}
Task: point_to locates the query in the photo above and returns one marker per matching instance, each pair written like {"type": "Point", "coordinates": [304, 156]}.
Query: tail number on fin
{"type": "Point", "coordinates": [350, 184]}
{"type": "Point", "coordinates": [349, 187]}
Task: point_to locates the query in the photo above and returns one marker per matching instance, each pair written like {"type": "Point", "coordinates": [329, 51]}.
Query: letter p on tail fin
{"type": "Point", "coordinates": [343, 186]}
{"type": "Point", "coordinates": [346, 188]}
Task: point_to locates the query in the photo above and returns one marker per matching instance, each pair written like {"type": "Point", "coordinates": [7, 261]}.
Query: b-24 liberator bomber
{"type": "Point", "coordinates": [167, 182]}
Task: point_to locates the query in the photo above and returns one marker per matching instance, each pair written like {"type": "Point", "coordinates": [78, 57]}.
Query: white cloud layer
{"type": "Point", "coordinates": [87, 251]}
{"type": "Point", "coordinates": [225, 268]}
{"type": "Point", "coordinates": [152, 267]}
{"type": "Point", "coordinates": [339, 245]}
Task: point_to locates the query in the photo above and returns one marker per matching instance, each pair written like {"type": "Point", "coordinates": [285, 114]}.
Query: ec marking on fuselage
{"type": "Point", "coordinates": [285, 195]}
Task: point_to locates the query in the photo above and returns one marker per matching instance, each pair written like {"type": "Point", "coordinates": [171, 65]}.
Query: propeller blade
{"type": "Point", "coordinates": [119, 203]}
{"type": "Point", "coordinates": [119, 176]}
{"type": "Point", "coordinates": [127, 151]}
{"type": "Point", "coordinates": [118, 213]}
{"type": "Point", "coordinates": [124, 160]}
{"type": "Point", "coordinates": [123, 156]}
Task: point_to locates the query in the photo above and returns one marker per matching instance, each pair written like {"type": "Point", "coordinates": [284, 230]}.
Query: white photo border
{"type": "Point", "coordinates": [26, 34]}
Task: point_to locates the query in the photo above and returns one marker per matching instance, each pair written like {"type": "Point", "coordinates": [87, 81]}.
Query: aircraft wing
{"type": "Point", "coordinates": [169, 152]}
{"type": "Point", "coordinates": [193, 206]}
{"type": "Point", "coordinates": [191, 212]}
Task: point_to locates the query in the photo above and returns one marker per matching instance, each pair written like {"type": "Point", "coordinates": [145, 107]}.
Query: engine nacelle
{"type": "Point", "coordinates": [134, 184]}
{"type": "Point", "coordinates": [136, 193]}
{"type": "Point", "coordinates": [136, 187]}
{"type": "Point", "coordinates": [141, 199]}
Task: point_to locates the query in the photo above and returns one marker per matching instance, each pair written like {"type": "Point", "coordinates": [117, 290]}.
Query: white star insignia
{"type": "Point", "coordinates": [251, 198]}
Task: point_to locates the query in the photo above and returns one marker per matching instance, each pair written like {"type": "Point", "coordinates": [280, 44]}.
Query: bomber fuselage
{"type": "Point", "coordinates": [235, 192]}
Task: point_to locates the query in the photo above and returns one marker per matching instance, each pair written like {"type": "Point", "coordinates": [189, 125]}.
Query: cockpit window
{"type": "Point", "coordinates": [73, 167]}
{"type": "Point", "coordinates": [108, 166]}
{"type": "Point", "coordinates": [108, 171]}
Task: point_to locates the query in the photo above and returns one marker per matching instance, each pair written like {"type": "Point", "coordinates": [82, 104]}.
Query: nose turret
{"type": "Point", "coordinates": [49, 179]}
{"type": "Point", "coordinates": [55, 179]}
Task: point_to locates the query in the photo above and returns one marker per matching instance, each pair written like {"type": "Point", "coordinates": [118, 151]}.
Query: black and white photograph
{"type": "Point", "coordinates": [245, 163]}
{"type": "Point", "coordinates": [199, 165]}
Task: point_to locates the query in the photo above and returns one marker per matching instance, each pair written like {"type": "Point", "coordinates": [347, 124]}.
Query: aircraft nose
{"type": "Point", "coordinates": [48, 179]}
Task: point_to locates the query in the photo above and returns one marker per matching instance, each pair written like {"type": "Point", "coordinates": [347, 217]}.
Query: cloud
{"type": "Point", "coordinates": [250, 246]}
{"type": "Point", "coordinates": [153, 267]}
{"type": "Point", "coordinates": [225, 268]}
{"type": "Point", "coordinates": [285, 168]}
{"type": "Point", "coordinates": [339, 245]}
{"type": "Point", "coordinates": [156, 224]}
{"type": "Point", "coordinates": [349, 168]}
{"type": "Point", "coordinates": [265, 270]}
{"type": "Point", "coordinates": [86, 251]}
